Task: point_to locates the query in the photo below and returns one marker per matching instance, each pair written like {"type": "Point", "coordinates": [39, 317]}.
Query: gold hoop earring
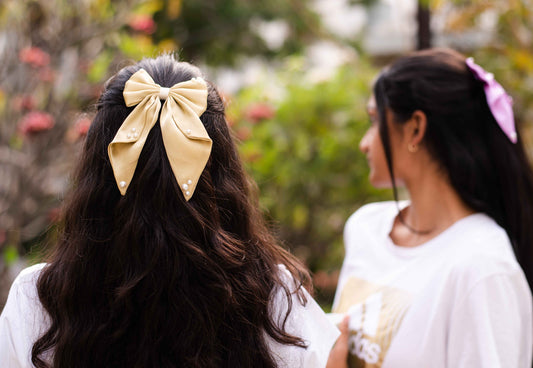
{"type": "Point", "coordinates": [413, 148]}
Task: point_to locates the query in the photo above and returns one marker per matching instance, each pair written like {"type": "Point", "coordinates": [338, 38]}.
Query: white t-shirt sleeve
{"type": "Point", "coordinates": [21, 321]}
{"type": "Point", "coordinates": [308, 322]}
{"type": "Point", "coordinates": [491, 326]}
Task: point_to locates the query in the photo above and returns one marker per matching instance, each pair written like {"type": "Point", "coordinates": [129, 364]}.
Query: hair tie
{"type": "Point", "coordinates": [500, 103]}
{"type": "Point", "coordinates": [186, 141]}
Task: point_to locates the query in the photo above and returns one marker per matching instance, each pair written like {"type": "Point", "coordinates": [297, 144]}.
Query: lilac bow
{"type": "Point", "coordinates": [500, 103]}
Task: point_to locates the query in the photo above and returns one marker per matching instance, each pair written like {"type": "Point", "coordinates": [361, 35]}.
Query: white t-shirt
{"type": "Point", "coordinates": [458, 300]}
{"type": "Point", "coordinates": [23, 320]}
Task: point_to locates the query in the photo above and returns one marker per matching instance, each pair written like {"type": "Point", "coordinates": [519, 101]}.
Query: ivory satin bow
{"type": "Point", "coordinates": [186, 141]}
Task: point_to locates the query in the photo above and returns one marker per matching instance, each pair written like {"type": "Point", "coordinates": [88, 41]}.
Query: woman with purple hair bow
{"type": "Point", "coordinates": [442, 279]}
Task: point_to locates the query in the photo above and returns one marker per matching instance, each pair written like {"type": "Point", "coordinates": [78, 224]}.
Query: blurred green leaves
{"type": "Point", "coordinates": [98, 69]}
{"type": "Point", "coordinates": [10, 255]}
{"type": "Point", "coordinates": [219, 32]}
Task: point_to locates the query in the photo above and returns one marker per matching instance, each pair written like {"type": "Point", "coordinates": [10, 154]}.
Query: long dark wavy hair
{"type": "Point", "coordinates": [489, 172]}
{"type": "Point", "coordinates": [151, 280]}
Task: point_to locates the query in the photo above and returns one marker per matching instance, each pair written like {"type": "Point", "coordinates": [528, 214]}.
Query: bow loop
{"type": "Point", "coordinates": [192, 93]}
{"type": "Point", "coordinates": [138, 87]}
{"type": "Point", "coordinates": [187, 101]}
{"type": "Point", "coordinates": [186, 141]}
{"type": "Point", "coordinates": [500, 103]}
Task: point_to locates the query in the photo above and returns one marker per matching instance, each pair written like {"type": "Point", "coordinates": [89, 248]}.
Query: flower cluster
{"type": "Point", "coordinates": [34, 56]}
{"type": "Point", "coordinates": [258, 112]}
{"type": "Point", "coordinates": [35, 121]}
{"type": "Point", "coordinates": [143, 23]}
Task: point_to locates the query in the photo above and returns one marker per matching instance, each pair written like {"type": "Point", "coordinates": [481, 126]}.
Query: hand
{"type": "Point", "coordinates": [338, 356]}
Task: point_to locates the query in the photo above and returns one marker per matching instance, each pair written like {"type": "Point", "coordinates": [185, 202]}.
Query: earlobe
{"type": "Point", "coordinates": [413, 148]}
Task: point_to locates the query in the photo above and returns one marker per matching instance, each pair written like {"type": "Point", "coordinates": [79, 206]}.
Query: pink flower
{"type": "Point", "coordinates": [243, 133]}
{"type": "Point", "coordinates": [36, 121]}
{"type": "Point", "coordinates": [82, 126]}
{"type": "Point", "coordinates": [34, 56]}
{"type": "Point", "coordinates": [260, 111]}
{"type": "Point", "coordinates": [143, 23]}
{"type": "Point", "coordinates": [78, 130]}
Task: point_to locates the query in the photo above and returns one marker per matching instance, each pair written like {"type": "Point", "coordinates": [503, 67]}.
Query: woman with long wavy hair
{"type": "Point", "coordinates": [163, 259]}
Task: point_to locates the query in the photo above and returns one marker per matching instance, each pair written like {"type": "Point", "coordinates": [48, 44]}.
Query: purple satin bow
{"type": "Point", "coordinates": [500, 103]}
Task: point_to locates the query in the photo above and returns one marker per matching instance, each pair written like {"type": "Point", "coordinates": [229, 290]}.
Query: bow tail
{"type": "Point", "coordinates": [187, 156]}
{"type": "Point", "coordinates": [127, 145]}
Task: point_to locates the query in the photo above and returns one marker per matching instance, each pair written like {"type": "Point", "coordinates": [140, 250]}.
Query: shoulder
{"type": "Point", "coordinates": [290, 294]}
{"type": "Point", "coordinates": [24, 288]}
{"type": "Point", "coordinates": [305, 320]}
{"type": "Point", "coordinates": [23, 293]}
{"type": "Point", "coordinates": [22, 320]}
{"type": "Point", "coordinates": [285, 274]}
{"type": "Point", "coordinates": [483, 252]}
{"type": "Point", "coordinates": [29, 274]}
{"type": "Point", "coordinates": [372, 212]}
{"type": "Point", "coordinates": [485, 248]}
{"type": "Point", "coordinates": [373, 209]}
{"type": "Point", "coordinates": [371, 219]}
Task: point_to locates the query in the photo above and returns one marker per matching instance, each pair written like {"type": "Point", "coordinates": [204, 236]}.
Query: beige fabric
{"type": "Point", "coordinates": [186, 141]}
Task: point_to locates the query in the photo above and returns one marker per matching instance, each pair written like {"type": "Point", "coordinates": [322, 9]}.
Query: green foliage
{"type": "Point", "coordinates": [220, 31]}
{"type": "Point", "coordinates": [362, 2]}
{"type": "Point", "coordinates": [137, 47]}
{"type": "Point", "coordinates": [99, 66]}
{"type": "Point", "coordinates": [304, 154]}
{"type": "Point", "coordinates": [10, 254]}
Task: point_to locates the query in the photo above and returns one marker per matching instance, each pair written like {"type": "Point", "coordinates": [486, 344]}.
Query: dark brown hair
{"type": "Point", "coordinates": [489, 172]}
{"type": "Point", "coordinates": [151, 280]}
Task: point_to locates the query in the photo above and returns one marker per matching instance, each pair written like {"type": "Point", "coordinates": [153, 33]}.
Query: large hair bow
{"type": "Point", "coordinates": [500, 103]}
{"type": "Point", "coordinates": [186, 141]}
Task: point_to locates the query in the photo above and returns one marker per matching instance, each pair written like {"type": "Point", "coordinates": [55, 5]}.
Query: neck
{"type": "Point", "coordinates": [435, 206]}
{"type": "Point", "coordinates": [434, 202]}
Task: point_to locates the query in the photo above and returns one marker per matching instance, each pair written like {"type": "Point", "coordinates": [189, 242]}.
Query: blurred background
{"type": "Point", "coordinates": [296, 75]}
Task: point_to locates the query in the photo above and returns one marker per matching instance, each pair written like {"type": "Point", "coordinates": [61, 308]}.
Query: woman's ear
{"type": "Point", "coordinates": [415, 128]}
